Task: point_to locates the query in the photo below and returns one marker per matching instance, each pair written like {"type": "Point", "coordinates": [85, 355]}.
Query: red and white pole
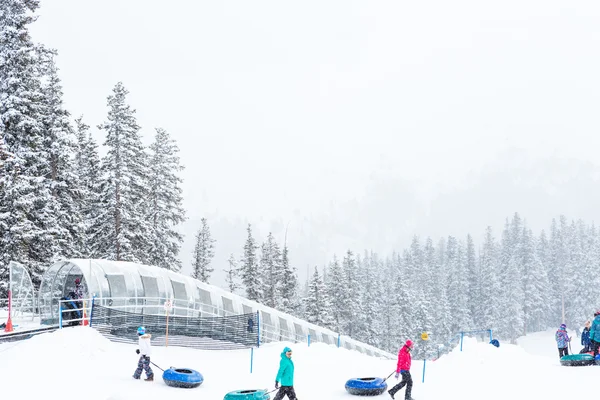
{"type": "Point", "coordinates": [9, 325]}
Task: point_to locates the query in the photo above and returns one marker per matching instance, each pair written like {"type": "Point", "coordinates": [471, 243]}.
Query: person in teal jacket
{"type": "Point", "coordinates": [285, 376]}
{"type": "Point", "coordinates": [595, 333]}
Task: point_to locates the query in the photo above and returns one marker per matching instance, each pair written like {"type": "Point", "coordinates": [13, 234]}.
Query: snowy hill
{"type": "Point", "coordinates": [78, 361]}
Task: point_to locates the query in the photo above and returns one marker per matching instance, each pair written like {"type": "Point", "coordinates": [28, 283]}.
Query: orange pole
{"type": "Point", "coordinates": [9, 325]}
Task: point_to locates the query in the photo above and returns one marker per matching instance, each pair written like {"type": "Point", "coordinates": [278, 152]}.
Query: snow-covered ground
{"type": "Point", "coordinates": [80, 362]}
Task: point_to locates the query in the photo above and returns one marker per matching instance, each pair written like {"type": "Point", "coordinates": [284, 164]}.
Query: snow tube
{"type": "Point", "coordinates": [366, 386]}
{"type": "Point", "coordinates": [252, 394]}
{"type": "Point", "coordinates": [182, 377]}
{"type": "Point", "coordinates": [577, 360]}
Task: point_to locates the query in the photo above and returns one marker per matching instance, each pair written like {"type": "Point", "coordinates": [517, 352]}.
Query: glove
{"type": "Point", "coordinates": [276, 385]}
{"type": "Point", "coordinates": [137, 351]}
{"type": "Point", "coordinates": [397, 375]}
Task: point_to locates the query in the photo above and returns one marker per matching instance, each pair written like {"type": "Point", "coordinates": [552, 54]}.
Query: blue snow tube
{"type": "Point", "coordinates": [252, 394]}
{"type": "Point", "coordinates": [366, 386]}
{"type": "Point", "coordinates": [182, 377]}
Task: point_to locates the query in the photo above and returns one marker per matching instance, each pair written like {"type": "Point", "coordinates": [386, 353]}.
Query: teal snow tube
{"type": "Point", "coordinates": [577, 360]}
{"type": "Point", "coordinates": [252, 394]}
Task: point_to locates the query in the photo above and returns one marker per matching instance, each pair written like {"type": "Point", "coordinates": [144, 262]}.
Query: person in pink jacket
{"type": "Point", "coordinates": [403, 368]}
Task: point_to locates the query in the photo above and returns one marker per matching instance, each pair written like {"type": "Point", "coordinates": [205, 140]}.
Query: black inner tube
{"type": "Point", "coordinates": [183, 371]}
{"type": "Point", "coordinates": [248, 391]}
{"type": "Point", "coordinates": [367, 379]}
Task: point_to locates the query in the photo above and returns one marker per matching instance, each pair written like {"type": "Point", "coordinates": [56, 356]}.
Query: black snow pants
{"type": "Point", "coordinates": [595, 346]}
{"type": "Point", "coordinates": [563, 351]}
{"type": "Point", "coordinates": [286, 390]}
{"type": "Point", "coordinates": [406, 380]}
{"type": "Point", "coordinates": [143, 363]}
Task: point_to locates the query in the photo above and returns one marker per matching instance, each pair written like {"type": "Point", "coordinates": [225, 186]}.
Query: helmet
{"type": "Point", "coordinates": [141, 330]}
{"type": "Point", "coordinates": [77, 281]}
{"type": "Point", "coordinates": [563, 326]}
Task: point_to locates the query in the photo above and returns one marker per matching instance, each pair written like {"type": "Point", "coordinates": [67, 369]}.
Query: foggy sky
{"type": "Point", "coordinates": [358, 124]}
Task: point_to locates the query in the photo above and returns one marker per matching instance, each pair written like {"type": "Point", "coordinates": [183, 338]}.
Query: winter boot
{"type": "Point", "coordinates": [150, 378]}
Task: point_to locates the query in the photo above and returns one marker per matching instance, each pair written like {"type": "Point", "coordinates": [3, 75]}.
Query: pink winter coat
{"type": "Point", "coordinates": [404, 359]}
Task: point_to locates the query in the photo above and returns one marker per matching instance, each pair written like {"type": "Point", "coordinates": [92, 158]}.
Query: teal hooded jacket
{"type": "Point", "coordinates": [285, 375]}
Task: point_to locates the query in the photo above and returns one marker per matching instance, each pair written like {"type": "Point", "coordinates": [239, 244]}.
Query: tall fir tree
{"type": "Point", "coordinates": [458, 286]}
{"type": "Point", "coordinates": [87, 164]}
{"type": "Point", "coordinates": [248, 269]}
{"type": "Point", "coordinates": [231, 274]}
{"type": "Point", "coordinates": [165, 202]}
{"type": "Point", "coordinates": [288, 289]}
{"type": "Point", "coordinates": [351, 293]}
{"type": "Point", "coordinates": [317, 307]}
{"type": "Point", "coordinates": [474, 284]}
{"type": "Point", "coordinates": [490, 283]}
{"type": "Point", "coordinates": [204, 251]}
{"type": "Point", "coordinates": [122, 231]}
{"type": "Point", "coordinates": [336, 292]}
{"type": "Point", "coordinates": [27, 220]}
{"type": "Point", "coordinates": [60, 146]}
{"type": "Point", "coordinates": [535, 285]}
{"type": "Point", "coordinates": [270, 270]}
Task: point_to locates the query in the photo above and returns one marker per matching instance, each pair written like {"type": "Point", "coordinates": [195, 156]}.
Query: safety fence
{"type": "Point", "coordinates": [209, 333]}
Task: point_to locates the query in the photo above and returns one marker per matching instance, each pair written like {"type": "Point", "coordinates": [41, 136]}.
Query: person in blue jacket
{"type": "Point", "coordinates": [595, 333]}
{"type": "Point", "coordinates": [285, 376]}
{"type": "Point", "coordinates": [585, 338]}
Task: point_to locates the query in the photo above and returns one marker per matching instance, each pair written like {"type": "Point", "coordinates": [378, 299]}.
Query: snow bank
{"type": "Point", "coordinates": [79, 361]}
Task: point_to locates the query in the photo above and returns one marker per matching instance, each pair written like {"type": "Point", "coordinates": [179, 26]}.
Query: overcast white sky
{"type": "Point", "coordinates": [284, 110]}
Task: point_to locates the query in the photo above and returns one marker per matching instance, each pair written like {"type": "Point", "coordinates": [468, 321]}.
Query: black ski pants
{"type": "Point", "coordinates": [563, 351]}
{"type": "Point", "coordinates": [406, 380]}
{"type": "Point", "coordinates": [595, 346]}
{"type": "Point", "coordinates": [286, 390]}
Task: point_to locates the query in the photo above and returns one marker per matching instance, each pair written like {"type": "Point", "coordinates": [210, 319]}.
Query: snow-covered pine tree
{"type": "Point", "coordinates": [431, 293]}
{"type": "Point", "coordinates": [535, 285]}
{"type": "Point", "coordinates": [389, 312]}
{"type": "Point", "coordinates": [122, 230]}
{"type": "Point", "coordinates": [60, 146]}
{"type": "Point", "coordinates": [370, 305]}
{"type": "Point", "coordinates": [351, 294]}
{"type": "Point", "coordinates": [270, 271]}
{"type": "Point", "coordinates": [512, 296]}
{"type": "Point", "coordinates": [231, 274]}
{"type": "Point", "coordinates": [335, 291]}
{"type": "Point", "coordinates": [490, 282]}
{"type": "Point", "coordinates": [317, 306]}
{"type": "Point", "coordinates": [288, 289]}
{"type": "Point", "coordinates": [458, 286]}
{"type": "Point", "coordinates": [87, 163]}
{"type": "Point", "coordinates": [165, 203]}
{"type": "Point", "coordinates": [474, 275]}
{"type": "Point", "coordinates": [26, 215]}
{"type": "Point", "coordinates": [575, 275]}
{"type": "Point", "coordinates": [406, 324]}
{"type": "Point", "coordinates": [248, 269]}
{"type": "Point", "coordinates": [203, 253]}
